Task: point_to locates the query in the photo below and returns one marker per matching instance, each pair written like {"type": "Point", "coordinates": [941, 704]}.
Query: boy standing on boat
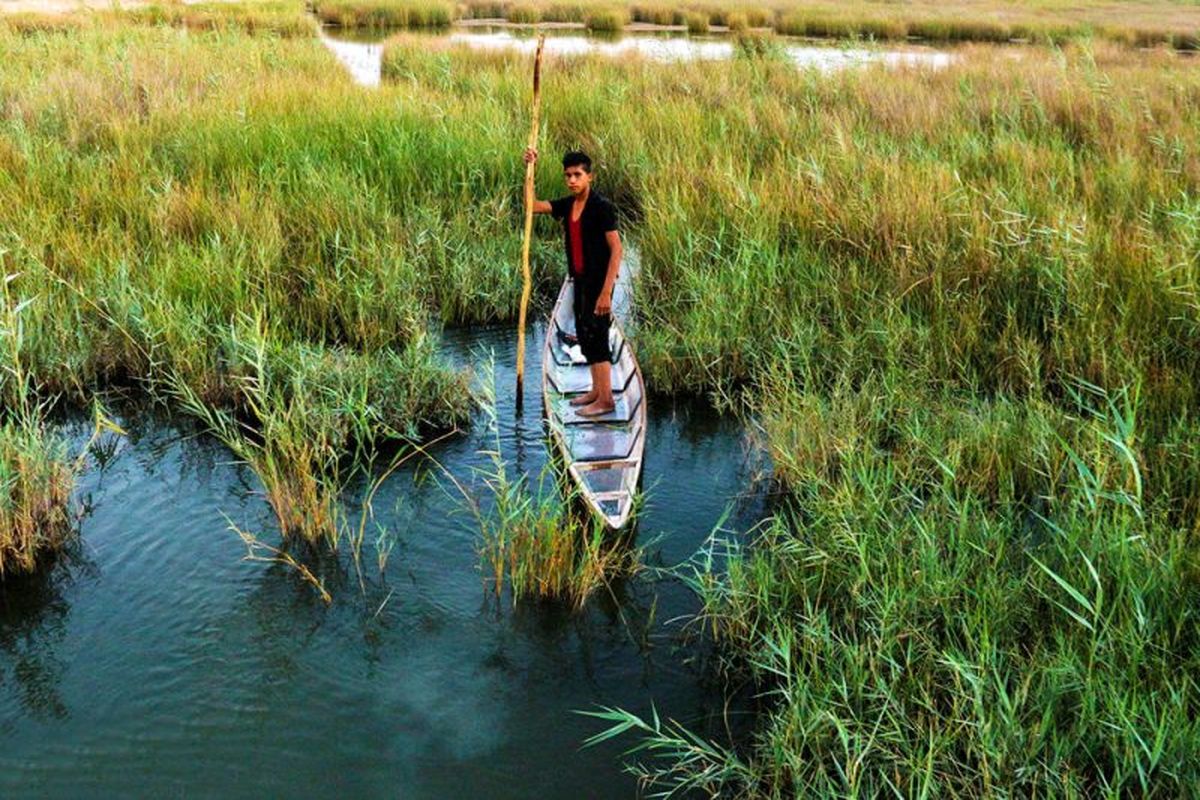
{"type": "Point", "coordinates": [593, 247]}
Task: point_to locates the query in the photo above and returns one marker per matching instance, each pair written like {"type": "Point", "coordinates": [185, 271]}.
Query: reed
{"type": "Point", "coordinates": [533, 540]}
{"type": "Point", "coordinates": [311, 420]}
{"type": "Point", "coordinates": [385, 13]}
{"type": "Point", "coordinates": [523, 14]}
{"type": "Point", "coordinates": [286, 18]}
{"type": "Point", "coordinates": [654, 14]}
{"type": "Point", "coordinates": [36, 475]}
{"type": "Point", "coordinates": [985, 642]}
{"type": "Point", "coordinates": [605, 20]}
{"type": "Point", "coordinates": [1156, 23]}
{"type": "Point", "coordinates": [36, 481]}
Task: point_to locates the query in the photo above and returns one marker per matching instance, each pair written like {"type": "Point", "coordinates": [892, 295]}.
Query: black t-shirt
{"type": "Point", "coordinates": [598, 218]}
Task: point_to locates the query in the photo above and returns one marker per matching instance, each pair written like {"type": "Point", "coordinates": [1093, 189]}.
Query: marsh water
{"type": "Point", "coordinates": [361, 50]}
{"type": "Point", "coordinates": [154, 661]}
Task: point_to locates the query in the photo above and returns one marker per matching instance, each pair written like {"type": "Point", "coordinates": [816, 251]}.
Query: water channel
{"type": "Point", "coordinates": [154, 661]}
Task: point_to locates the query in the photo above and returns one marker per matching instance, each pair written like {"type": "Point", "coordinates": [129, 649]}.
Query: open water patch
{"type": "Point", "coordinates": [361, 51]}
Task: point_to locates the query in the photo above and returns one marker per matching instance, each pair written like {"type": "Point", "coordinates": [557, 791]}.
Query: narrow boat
{"type": "Point", "coordinates": [603, 455]}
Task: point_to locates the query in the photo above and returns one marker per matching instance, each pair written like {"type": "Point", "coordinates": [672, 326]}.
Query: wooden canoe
{"type": "Point", "coordinates": [602, 455]}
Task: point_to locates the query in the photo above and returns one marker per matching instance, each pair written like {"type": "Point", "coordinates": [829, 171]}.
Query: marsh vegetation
{"type": "Point", "coordinates": [1162, 22]}
{"type": "Point", "coordinates": [960, 306]}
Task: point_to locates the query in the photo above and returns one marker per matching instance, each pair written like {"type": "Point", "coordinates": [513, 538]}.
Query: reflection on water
{"type": "Point", "coordinates": [159, 663]}
{"type": "Point", "coordinates": [364, 60]}
{"type": "Point", "coordinates": [362, 53]}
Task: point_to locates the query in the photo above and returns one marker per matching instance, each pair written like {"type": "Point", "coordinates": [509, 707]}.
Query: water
{"type": "Point", "coordinates": [362, 52]}
{"type": "Point", "coordinates": [155, 661]}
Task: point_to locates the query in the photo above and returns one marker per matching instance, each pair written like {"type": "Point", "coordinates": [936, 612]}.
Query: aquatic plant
{"type": "Point", "coordinates": [696, 22]}
{"type": "Point", "coordinates": [653, 14]}
{"type": "Point", "coordinates": [311, 418]}
{"type": "Point", "coordinates": [533, 539]}
{"type": "Point", "coordinates": [35, 489]}
{"type": "Point", "coordinates": [36, 475]}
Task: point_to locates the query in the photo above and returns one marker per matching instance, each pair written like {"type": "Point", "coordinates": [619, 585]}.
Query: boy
{"type": "Point", "coordinates": [593, 248]}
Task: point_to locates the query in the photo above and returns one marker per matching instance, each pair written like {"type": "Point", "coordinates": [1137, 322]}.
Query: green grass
{"type": "Point", "coordinates": [920, 629]}
{"type": "Point", "coordinates": [523, 14]}
{"type": "Point", "coordinates": [153, 209]}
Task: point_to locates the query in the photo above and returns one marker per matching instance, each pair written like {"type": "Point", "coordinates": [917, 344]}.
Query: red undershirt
{"type": "Point", "coordinates": [574, 231]}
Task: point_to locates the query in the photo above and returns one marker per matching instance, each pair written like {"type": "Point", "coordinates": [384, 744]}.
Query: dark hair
{"type": "Point", "coordinates": [577, 158]}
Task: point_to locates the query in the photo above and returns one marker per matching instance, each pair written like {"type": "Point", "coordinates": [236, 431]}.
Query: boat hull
{"type": "Point", "coordinates": [601, 455]}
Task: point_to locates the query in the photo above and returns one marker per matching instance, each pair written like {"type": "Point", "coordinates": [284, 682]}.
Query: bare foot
{"type": "Point", "coordinates": [584, 399]}
{"type": "Point", "coordinates": [596, 409]}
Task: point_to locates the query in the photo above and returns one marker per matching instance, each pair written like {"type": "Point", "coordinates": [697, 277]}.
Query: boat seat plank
{"type": "Point", "coordinates": [607, 481]}
{"type": "Point", "coordinates": [600, 442]}
{"type": "Point", "coordinates": [627, 403]}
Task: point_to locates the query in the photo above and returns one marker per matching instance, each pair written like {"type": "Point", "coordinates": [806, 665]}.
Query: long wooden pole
{"type": "Point", "coordinates": [527, 280]}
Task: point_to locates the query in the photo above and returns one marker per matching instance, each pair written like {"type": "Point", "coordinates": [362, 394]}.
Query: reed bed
{"type": "Point", "coordinates": [1172, 24]}
{"type": "Point", "coordinates": [960, 304]}
{"type": "Point", "coordinates": [536, 542]}
{"type": "Point", "coordinates": [286, 18]}
{"type": "Point", "coordinates": [157, 197]}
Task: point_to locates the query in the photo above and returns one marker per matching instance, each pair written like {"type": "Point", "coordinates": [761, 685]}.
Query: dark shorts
{"type": "Point", "coordinates": [591, 329]}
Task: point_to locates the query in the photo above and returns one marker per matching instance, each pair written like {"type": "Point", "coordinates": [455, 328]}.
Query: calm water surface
{"type": "Point", "coordinates": [155, 662]}
{"type": "Point", "coordinates": [361, 51]}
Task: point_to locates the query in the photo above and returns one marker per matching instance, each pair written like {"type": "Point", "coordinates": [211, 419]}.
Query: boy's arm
{"type": "Point", "coordinates": [604, 301]}
{"type": "Point", "coordinates": [539, 206]}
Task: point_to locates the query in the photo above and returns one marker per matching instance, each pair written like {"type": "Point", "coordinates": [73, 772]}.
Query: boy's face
{"type": "Point", "coordinates": [578, 179]}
